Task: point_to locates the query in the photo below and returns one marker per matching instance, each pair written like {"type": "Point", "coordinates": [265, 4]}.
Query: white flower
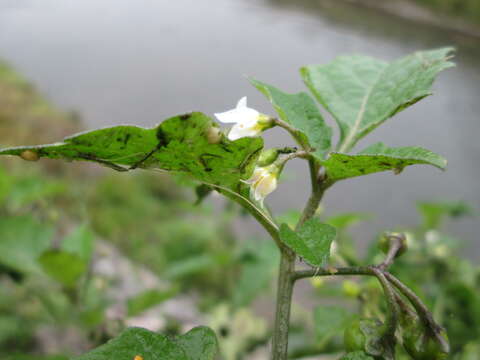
{"type": "Point", "coordinates": [248, 121]}
{"type": "Point", "coordinates": [263, 182]}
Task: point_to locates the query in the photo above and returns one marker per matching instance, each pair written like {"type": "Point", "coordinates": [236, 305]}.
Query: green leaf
{"type": "Point", "coordinates": [330, 321]}
{"type": "Point", "coordinates": [189, 266]}
{"type": "Point", "coordinates": [198, 344]}
{"type": "Point", "coordinates": [379, 157]}
{"type": "Point", "coordinates": [300, 111]}
{"type": "Point", "coordinates": [80, 242]}
{"type": "Point", "coordinates": [345, 220]}
{"type": "Point", "coordinates": [361, 92]}
{"type": "Point", "coordinates": [145, 300]}
{"type": "Point", "coordinates": [36, 357]}
{"type": "Point", "coordinates": [178, 144]}
{"type": "Point", "coordinates": [312, 241]}
{"type": "Point", "coordinates": [259, 264]}
{"type": "Point", "coordinates": [64, 267]}
{"type": "Point", "coordinates": [22, 240]}
{"type": "Point", "coordinates": [357, 355]}
{"type": "Point", "coordinates": [433, 213]}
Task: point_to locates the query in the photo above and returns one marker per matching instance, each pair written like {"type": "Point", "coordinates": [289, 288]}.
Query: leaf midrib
{"type": "Point", "coordinates": [349, 140]}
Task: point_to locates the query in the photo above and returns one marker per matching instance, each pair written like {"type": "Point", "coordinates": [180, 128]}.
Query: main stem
{"type": "Point", "coordinates": [286, 277]}
{"type": "Point", "coordinates": [284, 301]}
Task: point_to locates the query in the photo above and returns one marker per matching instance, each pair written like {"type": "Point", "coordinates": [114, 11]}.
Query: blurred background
{"type": "Point", "coordinates": [73, 65]}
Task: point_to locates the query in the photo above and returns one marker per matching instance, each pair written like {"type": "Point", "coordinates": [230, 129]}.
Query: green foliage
{"type": "Point", "coordinates": [330, 321]}
{"type": "Point", "coordinates": [300, 111]}
{"type": "Point", "coordinates": [466, 9]}
{"type": "Point", "coordinates": [361, 92]}
{"type": "Point", "coordinates": [259, 263]}
{"type": "Point", "coordinates": [80, 242]}
{"type": "Point", "coordinates": [22, 241]}
{"type": "Point", "coordinates": [64, 267]}
{"type": "Point", "coordinates": [198, 344]}
{"type": "Point", "coordinates": [312, 241]}
{"type": "Point", "coordinates": [145, 300]}
{"type": "Point", "coordinates": [434, 213]}
{"type": "Point", "coordinates": [178, 144]}
{"type": "Point", "coordinates": [379, 157]}
{"type": "Point", "coordinates": [431, 266]}
{"type": "Point", "coordinates": [147, 220]}
{"type": "Point", "coordinates": [357, 355]}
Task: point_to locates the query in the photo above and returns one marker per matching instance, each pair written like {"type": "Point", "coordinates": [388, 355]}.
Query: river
{"type": "Point", "coordinates": [119, 61]}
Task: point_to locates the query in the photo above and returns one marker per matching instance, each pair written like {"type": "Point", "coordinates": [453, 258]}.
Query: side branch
{"type": "Point", "coordinates": [332, 271]}
{"type": "Point", "coordinates": [393, 309]}
{"type": "Point", "coordinates": [419, 306]}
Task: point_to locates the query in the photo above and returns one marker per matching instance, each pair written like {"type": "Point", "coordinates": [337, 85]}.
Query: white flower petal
{"type": "Point", "coordinates": [267, 185]}
{"type": "Point", "coordinates": [242, 103]}
{"type": "Point", "coordinates": [231, 116]}
{"type": "Point", "coordinates": [239, 130]}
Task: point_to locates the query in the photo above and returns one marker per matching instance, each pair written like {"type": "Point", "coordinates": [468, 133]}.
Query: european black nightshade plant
{"type": "Point", "coordinates": [360, 93]}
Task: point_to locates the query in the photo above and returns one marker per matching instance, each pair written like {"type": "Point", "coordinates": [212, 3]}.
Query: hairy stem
{"type": "Point", "coordinates": [419, 306]}
{"type": "Point", "coordinates": [396, 244]}
{"type": "Point", "coordinates": [340, 271]}
{"type": "Point", "coordinates": [393, 310]}
{"type": "Point", "coordinates": [284, 300]}
{"type": "Point", "coordinates": [287, 267]}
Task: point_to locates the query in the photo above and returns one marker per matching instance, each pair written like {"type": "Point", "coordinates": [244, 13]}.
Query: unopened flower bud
{"type": "Point", "coordinates": [267, 157]}
{"type": "Point", "coordinates": [213, 135]}
{"type": "Point", "coordinates": [387, 240]}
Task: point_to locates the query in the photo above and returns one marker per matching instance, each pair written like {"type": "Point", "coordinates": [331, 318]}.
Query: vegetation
{"type": "Point", "coordinates": [468, 9]}
{"type": "Point", "coordinates": [52, 227]}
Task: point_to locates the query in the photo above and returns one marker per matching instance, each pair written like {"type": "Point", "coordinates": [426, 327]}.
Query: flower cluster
{"type": "Point", "coordinates": [250, 122]}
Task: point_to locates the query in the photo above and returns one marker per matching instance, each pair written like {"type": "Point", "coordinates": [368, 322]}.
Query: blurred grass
{"type": "Point", "coordinates": [467, 9]}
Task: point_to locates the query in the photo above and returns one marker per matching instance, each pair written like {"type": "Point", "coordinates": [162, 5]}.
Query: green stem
{"type": "Point", "coordinates": [341, 271]}
{"type": "Point", "coordinates": [314, 201]}
{"type": "Point", "coordinates": [284, 301]}
{"type": "Point", "coordinates": [393, 310]}
{"type": "Point", "coordinates": [286, 278]}
{"type": "Point", "coordinates": [417, 303]}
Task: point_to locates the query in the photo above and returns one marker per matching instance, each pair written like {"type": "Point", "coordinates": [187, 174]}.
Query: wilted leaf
{"type": "Point", "coordinates": [379, 157]}
{"type": "Point", "coordinates": [312, 241]}
{"type": "Point", "coordinates": [361, 92]}
{"type": "Point", "coordinates": [178, 144]}
{"type": "Point", "coordinates": [300, 111]}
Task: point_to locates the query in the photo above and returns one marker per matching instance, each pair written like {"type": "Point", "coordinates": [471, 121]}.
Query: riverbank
{"type": "Point", "coordinates": [441, 14]}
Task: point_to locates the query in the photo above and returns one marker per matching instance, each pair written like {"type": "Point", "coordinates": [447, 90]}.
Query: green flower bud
{"type": "Point", "coordinates": [422, 343]}
{"type": "Point", "coordinates": [386, 242]}
{"type": "Point", "coordinates": [365, 335]}
{"type": "Point", "coordinates": [267, 157]}
{"type": "Point", "coordinates": [351, 288]}
{"type": "Point", "coordinates": [353, 337]}
{"type": "Point", "coordinates": [213, 135]}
